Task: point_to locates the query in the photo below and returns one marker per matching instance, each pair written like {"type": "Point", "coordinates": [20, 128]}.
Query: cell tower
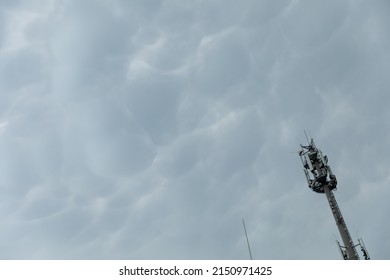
{"type": "Point", "coordinates": [322, 180]}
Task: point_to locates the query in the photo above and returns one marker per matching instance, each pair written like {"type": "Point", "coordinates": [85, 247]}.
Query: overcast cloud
{"type": "Point", "coordinates": [149, 129]}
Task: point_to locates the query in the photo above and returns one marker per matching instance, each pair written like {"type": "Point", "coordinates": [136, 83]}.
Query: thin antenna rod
{"type": "Point", "coordinates": [307, 138]}
{"type": "Point", "coordinates": [247, 240]}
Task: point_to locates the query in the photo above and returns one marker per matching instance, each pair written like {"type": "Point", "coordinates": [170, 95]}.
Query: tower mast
{"type": "Point", "coordinates": [321, 179]}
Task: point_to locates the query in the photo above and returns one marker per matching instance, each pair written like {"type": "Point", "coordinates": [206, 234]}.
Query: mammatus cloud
{"type": "Point", "coordinates": [149, 129]}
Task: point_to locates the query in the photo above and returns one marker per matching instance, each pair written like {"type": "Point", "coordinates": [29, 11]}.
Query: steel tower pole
{"type": "Point", "coordinates": [340, 222]}
{"type": "Point", "coordinates": [321, 179]}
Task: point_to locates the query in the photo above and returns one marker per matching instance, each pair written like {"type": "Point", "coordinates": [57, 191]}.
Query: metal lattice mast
{"type": "Point", "coordinates": [321, 180]}
{"type": "Point", "coordinates": [344, 232]}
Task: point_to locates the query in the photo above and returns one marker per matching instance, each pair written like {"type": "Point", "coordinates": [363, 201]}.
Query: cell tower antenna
{"type": "Point", "coordinates": [307, 138]}
{"type": "Point", "coordinates": [247, 240]}
{"type": "Point", "coordinates": [321, 179]}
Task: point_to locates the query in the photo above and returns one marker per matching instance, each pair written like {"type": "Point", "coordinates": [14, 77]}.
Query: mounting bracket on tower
{"type": "Point", "coordinates": [316, 168]}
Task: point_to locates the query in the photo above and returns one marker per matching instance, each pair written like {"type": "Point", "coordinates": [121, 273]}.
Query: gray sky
{"type": "Point", "coordinates": [149, 129]}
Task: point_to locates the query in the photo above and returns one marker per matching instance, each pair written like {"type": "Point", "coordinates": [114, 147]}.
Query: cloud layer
{"type": "Point", "coordinates": [149, 129]}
